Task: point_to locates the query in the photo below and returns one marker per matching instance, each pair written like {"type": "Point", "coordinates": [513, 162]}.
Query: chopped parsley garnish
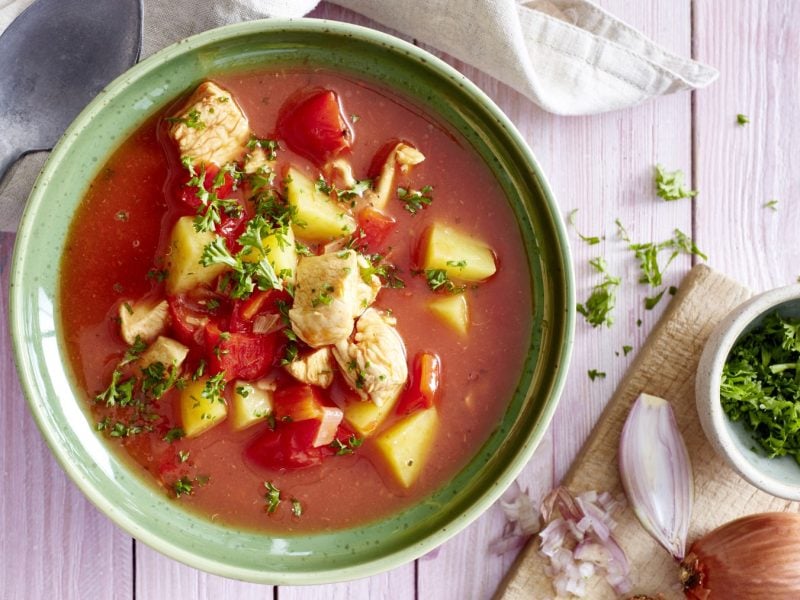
{"type": "Point", "coordinates": [134, 351]}
{"type": "Point", "coordinates": [595, 374]}
{"type": "Point", "coordinates": [438, 280]}
{"type": "Point", "coordinates": [290, 354]}
{"type": "Point", "coordinates": [742, 119]}
{"type": "Point", "coordinates": [118, 392]}
{"type": "Point", "coordinates": [323, 297]}
{"type": "Point", "coordinates": [183, 456]}
{"type": "Point", "coordinates": [597, 308]}
{"type": "Point", "coordinates": [415, 200]}
{"type": "Point", "coordinates": [626, 350]}
{"type": "Point", "coordinates": [772, 204]}
{"type": "Point", "coordinates": [297, 508]}
{"type": "Point", "coordinates": [760, 385]}
{"type": "Point", "coordinates": [458, 264]}
{"type": "Point", "coordinates": [158, 275]}
{"type": "Point", "coordinates": [157, 379]}
{"type": "Point", "coordinates": [183, 487]}
{"type": "Point", "coordinates": [648, 256]}
{"type": "Point", "coordinates": [651, 302]}
{"type": "Point", "coordinates": [386, 272]}
{"type": "Point", "coordinates": [270, 147]}
{"type": "Point", "coordinates": [174, 434]}
{"type": "Point", "coordinates": [214, 387]}
{"type": "Point", "coordinates": [246, 275]}
{"type": "Point", "coordinates": [346, 447]}
{"type": "Point", "coordinates": [272, 497]}
{"type": "Point", "coordinates": [670, 185]}
{"type": "Point", "coordinates": [589, 239]}
{"type": "Point", "coordinates": [192, 119]}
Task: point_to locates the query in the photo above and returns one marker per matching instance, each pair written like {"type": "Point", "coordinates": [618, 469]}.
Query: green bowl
{"type": "Point", "coordinates": [55, 400]}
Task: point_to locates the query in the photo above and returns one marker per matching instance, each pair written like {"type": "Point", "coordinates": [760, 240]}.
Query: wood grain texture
{"type": "Point", "coordinates": [756, 46]}
{"type": "Point", "coordinates": [56, 545]}
{"type": "Point", "coordinates": [665, 367]}
{"type": "Point", "coordinates": [53, 542]}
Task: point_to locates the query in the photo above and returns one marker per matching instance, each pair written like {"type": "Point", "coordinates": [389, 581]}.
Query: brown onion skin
{"type": "Point", "coordinates": [753, 558]}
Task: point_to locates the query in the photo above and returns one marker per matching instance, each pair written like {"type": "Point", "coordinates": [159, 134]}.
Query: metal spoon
{"type": "Point", "coordinates": [54, 58]}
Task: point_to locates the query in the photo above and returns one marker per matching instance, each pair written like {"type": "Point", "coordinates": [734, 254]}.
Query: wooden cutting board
{"type": "Point", "coordinates": [665, 367]}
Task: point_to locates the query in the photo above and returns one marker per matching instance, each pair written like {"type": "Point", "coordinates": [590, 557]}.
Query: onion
{"type": "Point", "coordinates": [264, 324]}
{"type": "Point", "coordinates": [580, 542]}
{"type": "Point", "coordinates": [522, 520]}
{"type": "Point", "coordinates": [656, 473]}
{"type": "Point", "coordinates": [753, 558]}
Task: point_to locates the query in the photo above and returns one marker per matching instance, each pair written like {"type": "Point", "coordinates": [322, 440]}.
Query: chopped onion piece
{"type": "Point", "coordinates": [656, 473]}
{"type": "Point", "coordinates": [578, 541]}
{"type": "Point", "coordinates": [522, 520]}
{"type": "Point", "coordinates": [266, 323]}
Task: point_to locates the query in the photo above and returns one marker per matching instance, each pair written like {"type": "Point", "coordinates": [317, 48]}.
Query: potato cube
{"type": "Point", "coordinates": [452, 311]}
{"type": "Point", "coordinates": [198, 413]}
{"type": "Point", "coordinates": [464, 257]}
{"type": "Point", "coordinates": [365, 417]}
{"type": "Point", "coordinates": [405, 446]}
{"type": "Point", "coordinates": [183, 261]}
{"type": "Point", "coordinates": [317, 217]}
{"type": "Point", "coordinates": [250, 404]}
{"type": "Point", "coordinates": [281, 253]}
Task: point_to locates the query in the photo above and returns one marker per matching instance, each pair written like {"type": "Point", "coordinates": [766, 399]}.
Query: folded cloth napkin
{"type": "Point", "coordinates": [568, 56]}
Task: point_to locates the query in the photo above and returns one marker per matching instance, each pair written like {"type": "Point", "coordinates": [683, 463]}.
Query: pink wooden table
{"type": "Point", "coordinates": [55, 544]}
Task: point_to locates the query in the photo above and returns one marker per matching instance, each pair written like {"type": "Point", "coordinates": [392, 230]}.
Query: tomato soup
{"type": "Point", "coordinates": [295, 301]}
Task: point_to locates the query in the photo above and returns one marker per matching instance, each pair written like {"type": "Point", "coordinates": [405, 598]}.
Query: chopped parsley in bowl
{"type": "Point", "coordinates": [748, 391]}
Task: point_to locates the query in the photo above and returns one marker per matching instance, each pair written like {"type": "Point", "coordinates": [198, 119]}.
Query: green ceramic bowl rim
{"type": "Point", "coordinates": [161, 542]}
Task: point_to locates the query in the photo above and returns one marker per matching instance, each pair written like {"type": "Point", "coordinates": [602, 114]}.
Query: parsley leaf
{"type": "Point", "coordinates": [595, 374]}
{"type": "Point", "coordinates": [272, 497]}
{"type": "Point", "coordinates": [742, 119]}
{"type": "Point", "coordinates": [773, 204]}
{"type": "Point", "coordinates": [651, 302]}
{"type": "Point", "coordinates": [438, 280]}
{"type": "Point", "coordinates": [591, 240]}
{"type": "Point", "coordinates": [597, 308]}
{"type": "Point", "coordinates": [670, 185]}
{"type": "Point", "coordinates": [415, 200]}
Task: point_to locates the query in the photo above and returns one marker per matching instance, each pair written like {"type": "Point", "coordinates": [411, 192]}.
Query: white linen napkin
{"type": "Point", "coordinates": [570, 57]}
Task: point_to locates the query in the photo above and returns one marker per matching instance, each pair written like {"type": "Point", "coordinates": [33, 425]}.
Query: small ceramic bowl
{"type": "Point", "coordinates": [56, 400]}
{"type": "Point", "coordinates": [776, 476]}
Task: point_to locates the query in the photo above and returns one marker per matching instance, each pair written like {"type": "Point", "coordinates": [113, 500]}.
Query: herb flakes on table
{"type": "Point", "coordinates": [760, 385]}
{"type": "Point", "coordinates": [671, 186]}
{"type": "Point", "coordinates": [597, 308]}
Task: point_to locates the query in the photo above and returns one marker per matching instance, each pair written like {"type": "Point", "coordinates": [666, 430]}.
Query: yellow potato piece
{"type": "Point", "coordinates": [199, 414]}
{"type": "Point", "coordinates": [365, 416]}
{"type": "Point", "coordinates": [184, 271]}
{"type": "Point", "coordinates": [464, 257]}
{"type": "Point", "coordinates": [406, 445]}
{"type": "Point", "coordinates": [249, 405]}
{"type": "Point", "coordinates": [317, 217]}
{"type": "Point", "coordinates": [281, 254]}
{"type": "Point", "coordinates": [452, 311]}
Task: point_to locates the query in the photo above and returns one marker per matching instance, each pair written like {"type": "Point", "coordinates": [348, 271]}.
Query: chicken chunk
{"type": "Point", "coordinates": [374, 362]}
{"type": "Point", "coordinates": [330, 293]}
{"type": "Point", "coordinates": [144, 320]}
{"type": "Point", "coordinates": [314, 369]}
{"type": "Point", "coordinates": [403, 155]}
{"type": "Point", "coordinates": [164, 350]}
{"type": "Point", "coordinates": [211, 128]}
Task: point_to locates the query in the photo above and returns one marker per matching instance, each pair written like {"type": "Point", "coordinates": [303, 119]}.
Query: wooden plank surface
{"type": "Point", "coordinates": [61, 547]}
{"type": "Point", "coordinates": [665, 367]}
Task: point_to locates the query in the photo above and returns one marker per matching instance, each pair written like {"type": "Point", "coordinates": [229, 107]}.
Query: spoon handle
{"type": "Point", "coordinates": [9, 153]}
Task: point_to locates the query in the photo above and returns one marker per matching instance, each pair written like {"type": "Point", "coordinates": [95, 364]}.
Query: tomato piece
{"type": "Point", "coordinates": [189, 317]}
{"type": "Point", "coordinates": [240, 355]}
{"type": "Point", "coordinates": [376, 227]}
{"type": "Point", "coordinates": [425, 381]}
{"type": "Point", "coordinates": [288, 446]}
{"type": "Point", "coordinates": [314, 127]}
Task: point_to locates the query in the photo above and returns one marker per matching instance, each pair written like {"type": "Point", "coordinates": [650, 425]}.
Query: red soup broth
{"type": "Point", "coordinates": [119, 235]}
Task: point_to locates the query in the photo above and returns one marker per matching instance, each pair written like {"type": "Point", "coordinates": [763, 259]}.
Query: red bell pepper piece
{"type": "Point", "coordinates": [425, 381]}
{"type": "Point", "coordinates": [314, 127]}
{"type": "Point", "coordinates": [260, 302]}
{"type": "Point", "coordinates": [288, 446]}
{"type": "Point", "coordinates": [240, 355]}
{"type": "Point", "coordinates": [189, 318]}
